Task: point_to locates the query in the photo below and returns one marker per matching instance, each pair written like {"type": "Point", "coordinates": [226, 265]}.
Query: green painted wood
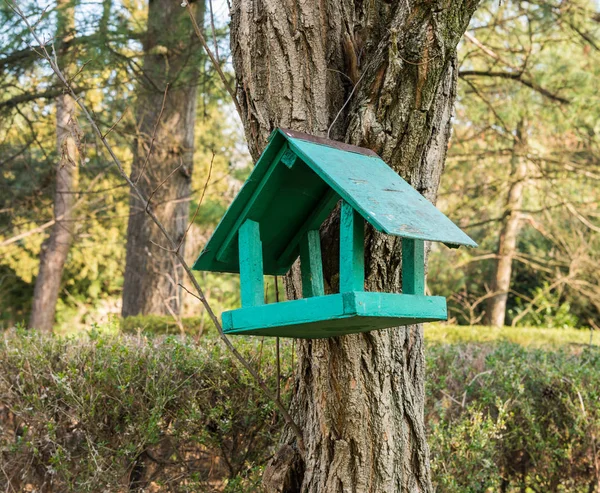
{"type": "Point", "coordinates": [283, 200]}
{"type": "Point", "coordinates": [282, 208]}
{"type": "Point", "coordinates": [289, 157]}
{"type": "Point", "coordinates": [334, 315]}
{"type": "Point", "coordinates": [251, 265]}
{"type": "Point", "coordinates": [315, 219]}
{"type": "Point", "coordinates": [259, 195]}
{"type": "Point", "coordinates": [352, 249]}
{"type": "Point", "coordinates": [413, 266]}
{"type": "Point", "coordinates": [207, 261]}
{"type": "Point", "coordinates": [382, 197]}
{"type": "Point", "coordinates": [311, 265]}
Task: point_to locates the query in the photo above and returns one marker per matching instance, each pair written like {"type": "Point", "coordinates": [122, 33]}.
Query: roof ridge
{"type": "Point", "coordinates": [342, 146]}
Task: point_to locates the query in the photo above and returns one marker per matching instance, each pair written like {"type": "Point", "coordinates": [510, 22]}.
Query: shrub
{"type": "Point", "coordinates": [110, 413]}
{"type": "Point", "coordinates": [123, 413]}
{"type": "Point", "coordinates": [506, 418]}
{"type": "Point", "coordinates": [161, 325]}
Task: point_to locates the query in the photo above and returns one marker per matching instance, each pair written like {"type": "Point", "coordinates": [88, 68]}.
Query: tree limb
{"type": "Point", "coordinates": [514, 76]}
{"type": "Point", "coordinates": [172, 246]}
{"type": "Point", "coordinates": [27, 97]}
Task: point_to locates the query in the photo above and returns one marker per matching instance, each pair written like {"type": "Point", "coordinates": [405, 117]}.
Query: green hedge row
{"type": "Point", "coordinates": [504, 418]}
{"type": "Point", "coordinates": [124, 413]}
{"type": "Point", "coordinates": [111, 414]}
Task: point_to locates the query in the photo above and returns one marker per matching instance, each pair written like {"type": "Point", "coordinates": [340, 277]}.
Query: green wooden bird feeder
{"type": "Point", "coordinates": [297, 182]}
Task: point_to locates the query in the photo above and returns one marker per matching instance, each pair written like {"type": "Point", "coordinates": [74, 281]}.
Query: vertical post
{"type": "Point", "coordinates": [413, 266]}
{"type": "Point", "coordinates": [251, 264]}
{"type": "Point", "coordinates": [311, 264]}
{"type": "Point", "coordinates": [352, 249]}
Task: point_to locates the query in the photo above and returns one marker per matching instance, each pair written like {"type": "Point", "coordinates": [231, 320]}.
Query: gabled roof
{"type": "Point", "coordinates": [295, 185]}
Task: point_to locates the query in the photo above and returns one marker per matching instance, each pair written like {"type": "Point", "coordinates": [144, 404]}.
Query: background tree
{"type": "Point", "coordinates": [535, 61]}
{"type": "Point", "coordinates": [56, 248]}
{"type": "Point", "coordinates": [507, 243]}
{"type": "Point", "coordinates": [99, 62]}
{"type": "Point", "coordinates": [381, 76]}
{"type": "Point", "coordinates": [106, 55]}
{"type": "Point", "coordinates": [163, 157]}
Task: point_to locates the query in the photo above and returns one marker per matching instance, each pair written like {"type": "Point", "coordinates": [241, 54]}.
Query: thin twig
{"type": "Point", "coordinates": [277, 345]}
{"type": "Point", "coordinates": [212, 26]}
{"type": "Point", "coordinates": [347, 99]}
{"type": "Point", "coordinates": [214, 61]}
{"type": "Point", "coordinates": [53, 64]}
{"type": "Point", "coordinates": [162, 183]}
{"type": "Point", "coordinates": [116, 123]}
{"type": "Point", "coordinates": [212, 159]}
{"type": "Point", "coordinates": [162, 109]}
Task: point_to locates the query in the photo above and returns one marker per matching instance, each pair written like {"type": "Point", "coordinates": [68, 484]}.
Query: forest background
{"type": "Point", "coordinates": [521, 176]}
{"type": "Point", "coordinates": [77, 256]}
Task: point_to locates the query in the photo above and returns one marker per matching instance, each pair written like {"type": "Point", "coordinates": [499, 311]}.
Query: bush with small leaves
{"type": "Point", "coordinates": [112, 413]}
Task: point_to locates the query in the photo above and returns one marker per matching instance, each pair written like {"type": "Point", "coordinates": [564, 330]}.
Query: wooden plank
{"type": "Point", "coordinates": [352, 249]}
{"type": "Point", "coordinates": [258, 195]}
{"type": "Point", "coordinates": [311, 264]}
{"type": "Point", "coordinates": [251, 264]}
{"type": "Point", "coordinates": [413, 266]}
{"type": "Point", "coordinates": [289, 157]}
{"type": "Point", "coordinates": [393, 305]}
{"type": "Point", "coordinates": [314, 221]}
{"type": "Point", "coordinates": [335, 314]}
{"type": "Point", "coordinates": [382, 197]}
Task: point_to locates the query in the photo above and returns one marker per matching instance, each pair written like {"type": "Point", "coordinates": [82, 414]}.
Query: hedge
{"type": "Point", "coordinates": [112, 413]}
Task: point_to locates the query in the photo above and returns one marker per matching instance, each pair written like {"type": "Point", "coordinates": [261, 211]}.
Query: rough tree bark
{"type": "Point", "coordinates": [171, 57]}
{"type": "Point", "coordinates": [55, 248]}
{"type": "Point", "coordinates": [507, 245]}
{"type": "Point", "coordinates": [359, 399]}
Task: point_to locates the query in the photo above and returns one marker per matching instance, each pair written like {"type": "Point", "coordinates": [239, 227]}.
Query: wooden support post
{"type": "Point", "coordinates": [251, 264]}
{"type": "Point", "coordinates": [352, 249]}
{"type": "Point", "coordinates": [413, 266]}
{"type": "Point", "coordinates": [311, 265]}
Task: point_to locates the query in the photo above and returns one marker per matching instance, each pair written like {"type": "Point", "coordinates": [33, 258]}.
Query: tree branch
{"type": "Point", "coordinates": [514, 76]}
{"type": "Point", "coordinates": [170, 241]}
{"type": "Point", "coordinates": [27, 97]}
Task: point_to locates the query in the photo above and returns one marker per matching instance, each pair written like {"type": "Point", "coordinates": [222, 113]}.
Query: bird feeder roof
{"type": "Point", "coordinates": [295, 185]}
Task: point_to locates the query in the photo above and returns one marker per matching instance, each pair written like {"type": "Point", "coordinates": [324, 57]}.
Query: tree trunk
{"type": "Point", "coordinates": [163, 158]}
{"type": "Point", "coordinates": [56, 248]}
{"type": "Point", "coordinates": [383, 76]}
{"type": "Point", "coordinates": [507, 246]}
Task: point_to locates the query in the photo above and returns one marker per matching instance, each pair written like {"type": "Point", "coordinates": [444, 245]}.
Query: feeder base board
{"type": "Point", "coordinates": [334, 315]}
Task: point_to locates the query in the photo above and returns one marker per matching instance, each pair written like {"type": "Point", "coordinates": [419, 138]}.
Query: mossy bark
{"type": "Point", "coordinates": [381, 75]}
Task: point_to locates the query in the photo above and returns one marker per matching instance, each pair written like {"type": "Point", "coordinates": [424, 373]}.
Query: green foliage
{"type": "Point", "coordinates": [105, 57]}
{"type": "Point", "coordinates": [553, 50]}
{"type": "Point", "coordinates": [441, 333]}
{"type": "Point", "coordinates": [106, 413]}
{"type": "Point", "coordinates": [160, 325]}
{"type": "Point", "coordinates": [550, 311]}
{"type": "Point", "coordinates": [506, 418]}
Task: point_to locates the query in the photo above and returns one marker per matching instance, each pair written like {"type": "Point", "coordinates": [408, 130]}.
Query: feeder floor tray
{"type": "Point", "coordinates": [334, 315]}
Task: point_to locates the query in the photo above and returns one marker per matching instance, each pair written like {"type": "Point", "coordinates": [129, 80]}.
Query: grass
{"type": "Point", "coordinates": [525, 336]}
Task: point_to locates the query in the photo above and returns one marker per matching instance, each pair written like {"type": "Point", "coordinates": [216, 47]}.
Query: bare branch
{"type": "Point", "coordinates": [514, 76]}
{"type": "Point", "coordinates": [153, 139]}
{"type": "Point", "coordinates": [212, 159]}
{"type": "Point", "coordinates": [116, 123]}
{"type": "Point", "coordinates": [212, 26]}
{"type": "Point", "coordinates": [284, 412]}
{"type": "Point", "coordinates": [213, 60]}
